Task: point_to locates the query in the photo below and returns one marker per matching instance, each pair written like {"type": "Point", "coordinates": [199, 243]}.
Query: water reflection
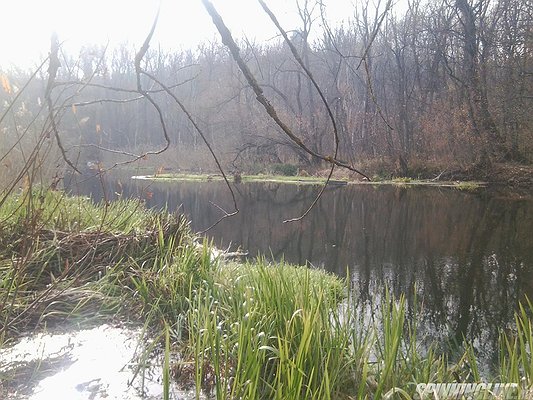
{"type": "Point", "coordinates": [470, 256]}
{"type": "Point", "coordinates": [97, 363]}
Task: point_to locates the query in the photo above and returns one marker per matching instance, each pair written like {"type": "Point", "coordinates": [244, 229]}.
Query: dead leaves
{"type": "Point", "coordinates": [4, 81]}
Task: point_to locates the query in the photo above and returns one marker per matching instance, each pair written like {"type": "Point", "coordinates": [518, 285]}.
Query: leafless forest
{"type": "Point", "coordinates": [443, 84]}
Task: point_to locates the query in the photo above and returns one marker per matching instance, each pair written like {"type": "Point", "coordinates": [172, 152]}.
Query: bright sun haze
{"type": "Point", "coordinates": [28, 24]}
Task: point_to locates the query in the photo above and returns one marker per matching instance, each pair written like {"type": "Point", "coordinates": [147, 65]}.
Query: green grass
{"type": "Point", "coordinates": [403, 179]}
{"type": "Point", "coordinates": [55, 210]}
{"type": "Point", "coordinates": [56, 249]}
{"type": "Point", "coordinates": [467, 186]}
{"type": "Point", "coordinates": [266, 336]}
{"type": "Point", "coordinates": [182, 177]}
{"type": "Point", "coordinates": [245, 178]}
{"type": "Point", "coordinates": [284, 179]}
{"type": "Point", "coordinates": [249, 330]}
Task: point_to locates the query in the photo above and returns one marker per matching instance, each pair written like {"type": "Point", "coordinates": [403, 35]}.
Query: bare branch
{"type": "Point", "coordinates": [12, 103]}
{"type": "Point", "coordinates": [228, 40]}
{"type": "Point", "coordinates": [138, 71]}
{"type": "Point", "coordinates": [204, 138]}
{"type": "Point", "coordinates": [122, 90]}
{"type": "Point", "coordinates": [52, 73]}
{"type": "Point", "coordinates": [101, 101]}
{"type": "Point", "coordinates": [377, 27]}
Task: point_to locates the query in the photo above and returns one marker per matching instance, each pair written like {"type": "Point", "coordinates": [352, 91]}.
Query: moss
{"type": "Point", "coordinates": [244, 178]}
{"type": "Point", "coordinates": [467, 186]}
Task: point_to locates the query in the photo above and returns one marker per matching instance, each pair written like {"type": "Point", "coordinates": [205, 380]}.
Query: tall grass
{"type": "Point", "coordinates": [230, 330]}
{"type": "Point", "coordinates": [266, 332]}
{"type": "Point", "coordinates": [516, 347]}
{"type": "Point", "coordinates": [78, 258]}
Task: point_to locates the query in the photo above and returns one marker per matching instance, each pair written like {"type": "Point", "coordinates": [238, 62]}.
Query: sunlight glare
{"type": "Point", "coordinates": [28, 24]}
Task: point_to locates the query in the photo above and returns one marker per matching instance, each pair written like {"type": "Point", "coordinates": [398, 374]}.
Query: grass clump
{"type": "Point", "coordinates": [467, 186]}
{"type": "Point", "coordinates": [66, 257]}
{"type": "Point", "coordinates": [251, 330]}
{"type": "Point", "coordinates": [403, 179]}
{"type": "Point", "coordinates": [266, 332]}
{"type": "Point", "coordinates": [516, 359]}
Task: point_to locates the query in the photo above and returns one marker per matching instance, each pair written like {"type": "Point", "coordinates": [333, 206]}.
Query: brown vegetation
{"type": "Point", "coordinates": [443, 86]}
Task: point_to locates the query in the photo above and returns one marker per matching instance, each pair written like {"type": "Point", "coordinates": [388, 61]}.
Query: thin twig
{"type": "Point", "coordinates": [123, 90]}
{"type": "Point", "coordinates": [322, 97]}
{"type": "Point", "coordinates": [52, 73]}
{"type": "Point", "coordinates": [228, 40]}
{"type": "Point", "coordinates": [138, 71]}
{"type": "Point", "coordinates": [10, 106]}
{"type": "Point", "coordinates": [101, 101]}
{"type": "Point", "coordinates": [204, 138]}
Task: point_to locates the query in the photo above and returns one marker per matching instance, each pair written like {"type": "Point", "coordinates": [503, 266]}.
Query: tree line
{"type": "Point", "coordinates": [441, 83]}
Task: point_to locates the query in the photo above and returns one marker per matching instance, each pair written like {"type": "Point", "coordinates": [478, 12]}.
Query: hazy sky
{"type": "Point", "coordinates": [27, 25]}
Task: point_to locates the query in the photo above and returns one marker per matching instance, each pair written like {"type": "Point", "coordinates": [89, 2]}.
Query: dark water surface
{"type": "Point", "coordinates": [468, 256]}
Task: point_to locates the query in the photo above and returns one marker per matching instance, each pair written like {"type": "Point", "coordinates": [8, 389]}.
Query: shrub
{"type": "Point", "coordinates": [284, 169]}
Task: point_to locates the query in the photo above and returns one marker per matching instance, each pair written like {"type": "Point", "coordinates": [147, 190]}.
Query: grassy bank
{"type": "Point", "coordinates": [231, 330]}
{"type": "Point", "coordinates": [312, 180]}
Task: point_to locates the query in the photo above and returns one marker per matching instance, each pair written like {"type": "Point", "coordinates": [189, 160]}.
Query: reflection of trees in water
{"type": "Point", "coordinates": [471, 292]}
{"type": "Point", "coordinates": [470, 255]}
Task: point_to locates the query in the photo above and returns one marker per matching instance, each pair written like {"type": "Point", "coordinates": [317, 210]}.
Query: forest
{"type": "Point", "coordinates": [419, 278]}
{"type": "Point", "coordinates": [437, 87]}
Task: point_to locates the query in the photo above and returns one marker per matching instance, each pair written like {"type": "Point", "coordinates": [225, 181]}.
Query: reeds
{"type": "Point", "coordinates": [265, 332]}
{"type": "Point", "coordinates": [71, 258]}
{"type": "Point", "coordinates": [229, 330]}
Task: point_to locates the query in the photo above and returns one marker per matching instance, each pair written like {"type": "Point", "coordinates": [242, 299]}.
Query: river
{"type": "Point", "coordinates": [465, 258]}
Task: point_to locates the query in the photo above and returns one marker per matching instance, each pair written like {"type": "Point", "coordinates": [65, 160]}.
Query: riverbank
{"type": "Point", "coordinates": [516, 178]}
{"type": "Point", "coordinates": [237, 330]}
{"type": "Point", "coordinates": [310, 180]}
{"type": "Point", "coordinates": [500, 174]}
{"type": "Point", "coordinates": [170, 177]}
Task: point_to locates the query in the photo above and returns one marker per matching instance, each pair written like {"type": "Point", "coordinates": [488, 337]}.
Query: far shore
{"type": "Point", "coordinates": [310, 180]}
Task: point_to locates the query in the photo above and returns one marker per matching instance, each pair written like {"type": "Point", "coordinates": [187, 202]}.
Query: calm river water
{"type": "Point", "coordinates": [468, 256]}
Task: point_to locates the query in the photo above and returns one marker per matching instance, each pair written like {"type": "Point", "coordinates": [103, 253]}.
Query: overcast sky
{"type": "Point", "coordinates": [27, 25]}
